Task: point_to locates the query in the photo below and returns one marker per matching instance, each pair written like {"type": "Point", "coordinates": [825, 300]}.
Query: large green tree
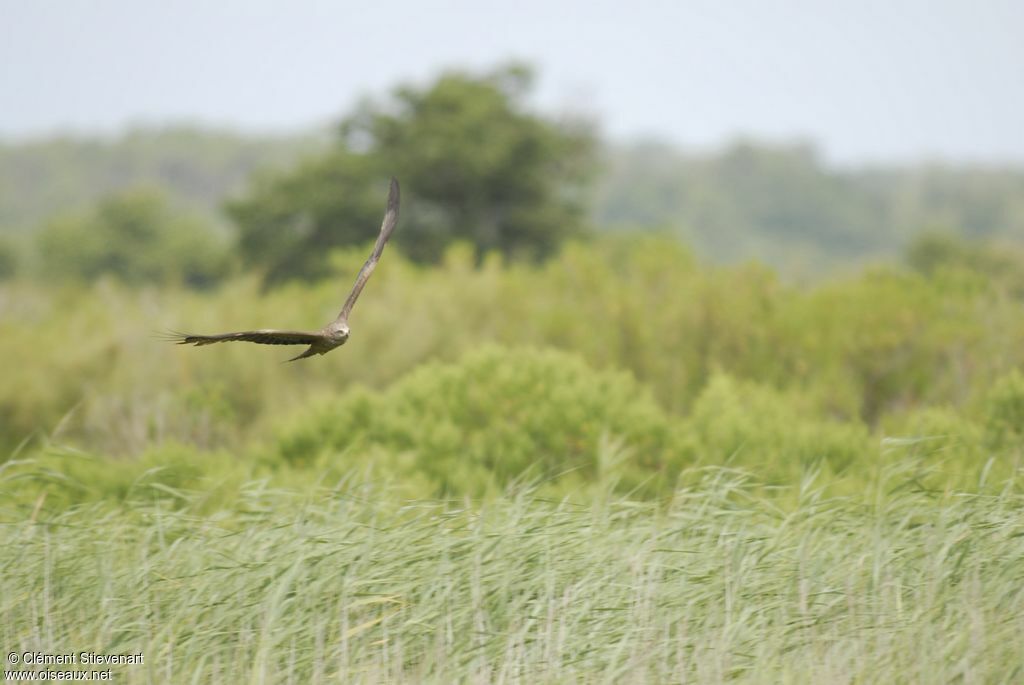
{"type": "Point", "coordinates": [475, 165]}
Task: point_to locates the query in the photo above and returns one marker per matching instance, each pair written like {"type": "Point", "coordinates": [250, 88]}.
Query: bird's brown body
{"type": "Point", "coordinates": [336, 333]}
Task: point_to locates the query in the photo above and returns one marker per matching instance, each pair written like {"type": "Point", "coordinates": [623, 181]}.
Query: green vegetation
{"type": "Point", "coordinates": [475, 166]}
{"type": "Point", "coordinates": [617, 462]}
{"type": "Point", "coordinates": [664, 363]}
{"type": "Point", "coordinates": [779, 204]}
{"type": "Point", "coordinates": [783, 205]}
{"type": "Point", "coordinates": [352, 585]}
{"type": "Point", "coordinates": [197, 168]}
{"type": "Point", "coordinates": [496, 416]}
{"type": "Point", "coordinates": [135, 237]}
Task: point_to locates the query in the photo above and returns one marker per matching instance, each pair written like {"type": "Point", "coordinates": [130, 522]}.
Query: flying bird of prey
{"type": "Point", "coordinates": [334, 334]}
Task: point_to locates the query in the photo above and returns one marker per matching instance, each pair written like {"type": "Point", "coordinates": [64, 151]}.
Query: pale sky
{"type": "Point", "coordinates": [868, 80]}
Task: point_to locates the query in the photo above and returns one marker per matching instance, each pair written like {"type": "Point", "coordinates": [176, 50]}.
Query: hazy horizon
{"type": "Point", "coordinates": [865, 82]}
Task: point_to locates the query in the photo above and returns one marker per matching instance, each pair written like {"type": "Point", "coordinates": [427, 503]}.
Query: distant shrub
{"type": "Point", "coordinates": [984, 263]}
{"type": "Point", "coordinates": [8, 258]}
{"type": "Point", "coordinates": [770, 432]}
{"type": "Point", "coordinates": [136, 237]}
{"type": "Point", "coordinates": [948, 448]}
{"type": "Point", "coordinates": [494, 416]}
{"type": "Point", "coordinates": [1003, 407]}
{"type": "Point", "coordinates": [940, 432]}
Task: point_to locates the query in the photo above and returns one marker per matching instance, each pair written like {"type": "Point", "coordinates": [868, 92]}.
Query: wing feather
{"type": "Point", "coordinates": [387, 227]}
{"type": "Point", "coordinates": [265, 336]}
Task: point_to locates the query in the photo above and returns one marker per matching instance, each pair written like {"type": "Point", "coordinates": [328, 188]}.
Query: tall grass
{"type": "Point", "coordinates": [352, 585]}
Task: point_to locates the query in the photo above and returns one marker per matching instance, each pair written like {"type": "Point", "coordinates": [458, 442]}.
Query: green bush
{"type": "Point", "coordinates": [9, 258]}
{"type": "Point", "coordinates": [495, 416]}
{"type": "Point", "coordinates": [1003, 407]}
{"type": "Point", "coordinates": [941, 432]}
{"type": "Point", "coordinates": [774, 434]}
{"type": "Point", "coordinates": [944, 448]}
{"type": "Point", "coordinates": [134, 236]}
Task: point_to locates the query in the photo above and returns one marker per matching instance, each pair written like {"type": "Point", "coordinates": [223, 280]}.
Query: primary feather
{"type": "Point", "coordinates": [265, 336]}
{"type": "Point", "coordinates": [386, 228]}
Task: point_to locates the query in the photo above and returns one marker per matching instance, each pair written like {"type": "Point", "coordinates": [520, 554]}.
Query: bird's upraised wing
{"type": "Point", "coordinates": [386, 229]}
{"type": "Point", "coordinates": [265, 336]}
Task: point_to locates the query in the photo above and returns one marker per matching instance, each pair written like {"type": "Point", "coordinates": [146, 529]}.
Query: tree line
{"type": "Point", "coordinates": [479, 166]}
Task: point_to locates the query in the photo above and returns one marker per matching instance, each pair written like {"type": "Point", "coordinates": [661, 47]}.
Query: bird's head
{"type": "Point", "coordinates": [338, 331]}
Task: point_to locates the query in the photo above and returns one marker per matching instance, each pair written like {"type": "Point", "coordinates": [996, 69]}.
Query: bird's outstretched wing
{"type": "Point", "coordinates": [265, 336]}
{"type": "Point", "coordinates": [386, 229]}
{"type": "Point", "coordinates": [332, 335]}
